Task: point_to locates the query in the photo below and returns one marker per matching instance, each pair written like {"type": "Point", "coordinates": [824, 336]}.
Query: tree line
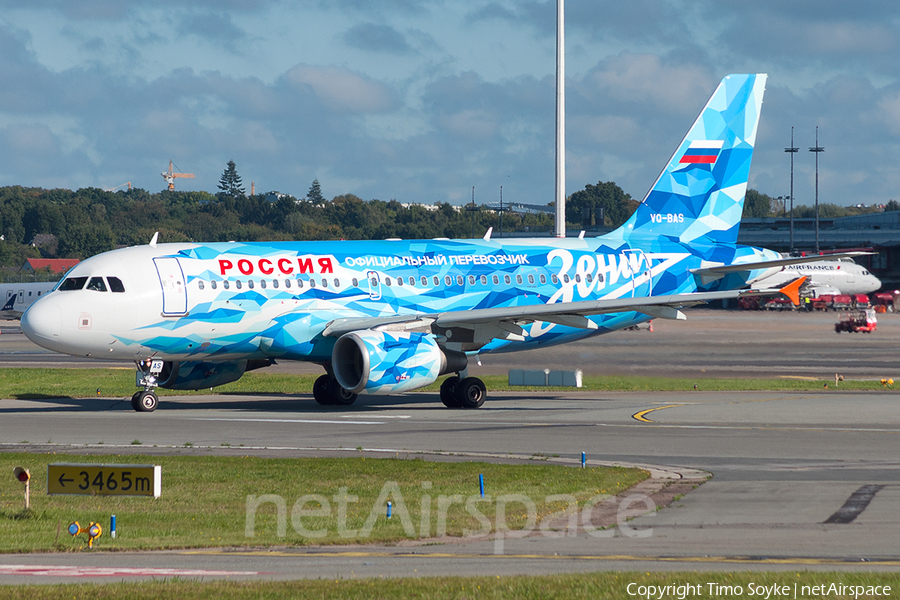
{"type": "Point", "coordinates": [90, 220]}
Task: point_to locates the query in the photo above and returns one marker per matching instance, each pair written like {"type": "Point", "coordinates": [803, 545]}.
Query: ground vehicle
{"type": "Point", "coordinates": [857, 321]}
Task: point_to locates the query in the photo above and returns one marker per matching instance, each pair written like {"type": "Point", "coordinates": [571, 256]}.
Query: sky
{"type": "Point", "coordinates": [422, 100]}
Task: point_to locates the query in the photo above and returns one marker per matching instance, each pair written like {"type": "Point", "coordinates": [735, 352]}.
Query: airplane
{"type": "Point", "coordinates": [842, 276]}
{"type": "Point", "coordinates": [19, 296]}
{"type": "Point", "coordinates": [385, 317]}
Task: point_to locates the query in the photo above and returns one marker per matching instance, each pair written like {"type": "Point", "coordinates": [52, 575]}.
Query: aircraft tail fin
{"type": "Point", "coordinates": [10, 304]}
{"type": "Point", "coordinates": [700, 193]}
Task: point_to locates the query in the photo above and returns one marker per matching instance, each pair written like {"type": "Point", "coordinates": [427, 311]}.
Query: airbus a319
{"type": "Point", "coordinates": [384, 317]}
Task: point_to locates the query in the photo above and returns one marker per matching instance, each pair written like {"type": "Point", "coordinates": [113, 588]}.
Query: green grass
{"type": "Point", "coordinates": [28, 383]}
{"type": "Point", "coordinates": [590, 586]}
{"type": "Point", "coordinates": [204, 500]}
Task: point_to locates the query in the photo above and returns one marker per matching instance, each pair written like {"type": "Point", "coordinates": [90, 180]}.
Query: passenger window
{"type": "Point", "coordinates": [238, 284]}
{"type": "Point", "coordinates": [250, 284]}
{"type": "Point", "coordinates": [530, 278]}
{"type": "Point", "coordinates": [312, 283]}
{"type": "Point", "coordinates": [387, 281]}
{"type": "Point", "coordinates": [425, 281]}
{"type": "Point", "coordinates": [543, 278]}
{"type": "Point", "coordinates": [484, 280]}
{"type": "Point", "coordinates": [565, 279]}
{"type": "Point", "coordinates": [226, 285]}
{"type": "Point", "coordinates": [212, 284]}
{"type": "Point", "coordinates": [400, 281]}
{"type": "Point", "coordinates": [600, 277]}
{"type": "Point", "coordinates": [519, 279]}
{"type": "Point", "coordinates": [507, 280]}
{"type": "Point", "coordinates": [96, 284]}
{"type": "Point", "coordinates": [459, 280]}
{"type": "Point", "coordinates": [495, 279]}
{"type": "Point", "coordinates": [355, 282]}
{"type": "Point", "coordinates": [73, 283]}
{"type": "Point", "coordinates": [436, 281]}
{"type": "Point", "coordinates": [324, 283]}
{"type": "Point", "coordinates": [337, 282]}
{"type": "Point", "coordinates": [471, 280]}
{"type": "Point", "coordinates": [412, 280]}
{"type": "Point", "coordinates": [275, 283]}
{"type": "Point", "coordinates": [300, 283]}
{"type": "Point", "coordinates": [578, 277]}
{"type": "Point", "coordinates": [115, 285]}
{"type": "Point", "coordinates": [447, 279]}
{"type": "Point", "coordinates": [554, 279]}
{"type": "Point", "coordinates": [199, 284]}
{"type": "Point", "coordinates": [287, 283]}
{"type": "Point", "coordinates": [589, 278]}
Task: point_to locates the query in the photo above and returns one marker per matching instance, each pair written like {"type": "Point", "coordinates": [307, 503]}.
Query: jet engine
{"type": "Point", "coordinates": [387, 362]}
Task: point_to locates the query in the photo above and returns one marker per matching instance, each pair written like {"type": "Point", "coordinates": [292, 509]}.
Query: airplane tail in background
{"type": "Point", "coordinates": [700, 193]}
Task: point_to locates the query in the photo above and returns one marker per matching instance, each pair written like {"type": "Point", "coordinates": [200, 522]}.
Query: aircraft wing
{"type": "Point", "coordinates": [709, 274]}
{"type": "Point", "coordinates": [477, 327]}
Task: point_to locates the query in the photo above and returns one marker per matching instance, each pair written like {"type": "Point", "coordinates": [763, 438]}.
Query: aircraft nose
{"type": "Point", "coordinates": [42, 322]}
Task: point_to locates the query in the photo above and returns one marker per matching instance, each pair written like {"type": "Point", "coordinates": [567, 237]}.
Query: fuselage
{"type": "Point", "coordinates": [228, 301]}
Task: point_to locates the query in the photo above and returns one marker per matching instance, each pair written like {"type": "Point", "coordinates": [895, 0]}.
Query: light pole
{"type": "Point", "coordinates": [817, 148]}
{"type": "Point", "coordinates": [792, 150]}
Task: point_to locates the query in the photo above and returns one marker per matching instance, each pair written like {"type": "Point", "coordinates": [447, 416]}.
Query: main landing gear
{"type": "Point", "coordinates": [468, 392]}
{"type": "Point", "coordinates": [328, 392]}
{"type": "Point", "coordinates": [147, 373]}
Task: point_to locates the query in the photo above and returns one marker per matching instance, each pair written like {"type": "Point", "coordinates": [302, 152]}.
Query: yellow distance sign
{"type": "Point", "coordinates": [104, 480]}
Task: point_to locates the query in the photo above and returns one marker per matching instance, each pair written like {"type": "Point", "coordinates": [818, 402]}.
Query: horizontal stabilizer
{"type": "Point", "coordinates": [709, 274]}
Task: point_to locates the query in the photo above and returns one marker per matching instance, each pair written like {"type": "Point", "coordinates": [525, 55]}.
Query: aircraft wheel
{"type": "Point", "coordinates": [147, 402]}
{"type": "Point", "coordinates": [471, 392]}
{"type": "Point", "coordinates": [448, 393]}
{"type": "Point", "coordinates": [134, 401]}
{"type": "Point", "coordinates": [339, 395]}
{"type": "Point", "coordinates": [321, 390]}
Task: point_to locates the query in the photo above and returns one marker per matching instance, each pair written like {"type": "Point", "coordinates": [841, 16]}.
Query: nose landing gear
{"type": "Point", "coordinates": [148, 371]}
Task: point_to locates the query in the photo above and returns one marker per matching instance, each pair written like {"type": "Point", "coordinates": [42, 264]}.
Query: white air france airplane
{"type": "Point", "coordinates": [842, 276]}
{"type": "Point", "coordinates": [384, 317]}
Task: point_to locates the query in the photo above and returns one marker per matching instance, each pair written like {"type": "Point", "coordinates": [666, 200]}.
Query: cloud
{"type": "Point", "coordinates": [342, 89]}
{"type": "Point", "coordinates": [376, 38]}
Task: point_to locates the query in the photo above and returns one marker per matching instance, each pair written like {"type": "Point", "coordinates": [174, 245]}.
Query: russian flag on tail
{"type": "Point", "coordinates": [702, 152]}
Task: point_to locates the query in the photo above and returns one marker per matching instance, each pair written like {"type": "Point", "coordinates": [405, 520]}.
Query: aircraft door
{"type": "Point", "coordinates": [174, 290]}
{"type": "Point", "coordinates": [374, 285]}
{"type": "Point", "coordinates": [21, 297]}
{"type": "Point", "coordinates": [641, 278]}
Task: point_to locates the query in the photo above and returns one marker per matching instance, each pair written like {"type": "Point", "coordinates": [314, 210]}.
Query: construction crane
{"type": "Point", "coordinates": [119, 186]}
{"type": "Point", "coordinates": [170, 176]}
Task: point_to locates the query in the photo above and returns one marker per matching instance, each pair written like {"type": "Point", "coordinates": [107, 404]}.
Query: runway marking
{"type": "Point", "coordinates": [855, 504]}
{"type": "Point", "coordinates": [802, 560]}
{"type": "Point", "coordinates": [313, 421]}
{"type": "Point", "coordinates": [380, 417]}
{"type": "Point", "coordinates": [639, 416]}
{"type": "Point", "coordinates": [73, 571]}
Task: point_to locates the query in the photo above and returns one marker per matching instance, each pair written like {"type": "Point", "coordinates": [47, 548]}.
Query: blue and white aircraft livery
{"type": "Point", "coordinates": [384, 317]}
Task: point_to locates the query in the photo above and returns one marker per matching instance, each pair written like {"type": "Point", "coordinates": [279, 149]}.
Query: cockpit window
{"type": "Point", "coordinates": [73, 283]}
{"type": "Point", "coordinates": [97, 284]}
{"type": "Point", "coordinates": [115, 285]}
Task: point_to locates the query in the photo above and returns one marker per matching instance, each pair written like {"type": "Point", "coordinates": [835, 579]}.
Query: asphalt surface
{"type": "Point", "coordinates": [805, 480]}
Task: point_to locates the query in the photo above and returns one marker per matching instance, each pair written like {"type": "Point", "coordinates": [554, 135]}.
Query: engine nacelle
{"type": "Point", "coordinates": [387, 362]}
{"type": "Point", "coordinates": [193, 375]}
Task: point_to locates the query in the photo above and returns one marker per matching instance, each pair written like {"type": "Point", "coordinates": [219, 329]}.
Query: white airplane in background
{"type": "Point", "coordinates": [17, 297]}
{"type": "Point", "coordinates": [385, 317]}
{"type": "Point", "coordinates": [841, 276]}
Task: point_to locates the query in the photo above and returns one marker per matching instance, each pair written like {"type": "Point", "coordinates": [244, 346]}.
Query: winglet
{"type": "Point", "coordinates": [792, 290]}
{"type": "Point", "coordinates": [153, 240]}
{"type": "Point", "coordinates": [487, 236]}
